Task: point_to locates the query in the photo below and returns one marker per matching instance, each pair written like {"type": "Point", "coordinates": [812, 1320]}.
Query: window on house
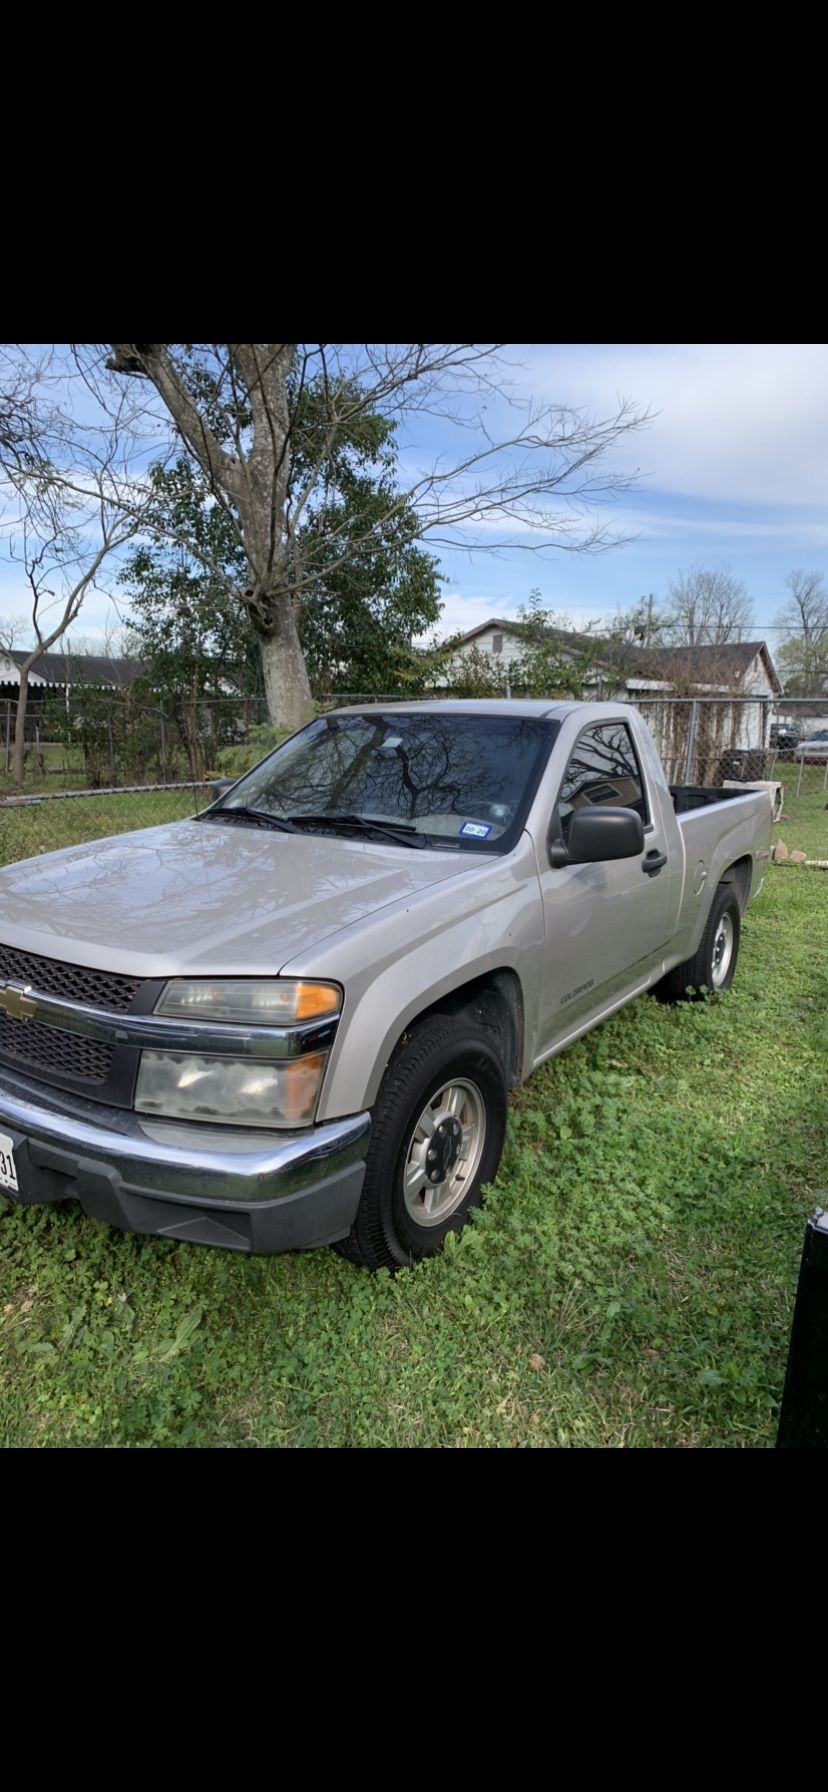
{"type": "Point", "coordinates": [497, 643]}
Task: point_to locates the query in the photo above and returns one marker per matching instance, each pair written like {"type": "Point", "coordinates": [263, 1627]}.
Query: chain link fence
{"type": "Point", "coordinates": [43, 823]}
{"type": "Point", "coordinates": [719, 740]}
{"type": "Point", "coordinates": [88, 739]}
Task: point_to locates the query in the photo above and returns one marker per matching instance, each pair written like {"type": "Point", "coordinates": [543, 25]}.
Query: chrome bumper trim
{"type": "Point", "coordinates": [176, 1160]}
{"type": "Point", "coordinates": [152, 1031]}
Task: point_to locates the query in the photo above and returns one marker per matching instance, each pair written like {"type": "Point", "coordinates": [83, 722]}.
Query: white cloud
{"type": "Point", "coordinates": [737, 423]}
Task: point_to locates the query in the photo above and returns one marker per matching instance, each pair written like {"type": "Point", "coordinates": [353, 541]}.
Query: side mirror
{"type": "Point", "coordinates": [598, 834]}
{"type": "Point", "coordinates": [220, 786]}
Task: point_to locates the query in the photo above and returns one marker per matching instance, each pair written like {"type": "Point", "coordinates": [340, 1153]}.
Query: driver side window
{"type": "Point", "coordinates": [603, 769]}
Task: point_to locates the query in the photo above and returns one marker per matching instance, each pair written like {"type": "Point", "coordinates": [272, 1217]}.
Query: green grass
{"type": "Point", "coordinates": [804, 824]}
{"type": "Point", "coordinates": [630, 1281]}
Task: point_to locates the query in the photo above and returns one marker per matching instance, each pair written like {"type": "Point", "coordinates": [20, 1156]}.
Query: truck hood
{"type": "Point", "coordinates": [205, 897]}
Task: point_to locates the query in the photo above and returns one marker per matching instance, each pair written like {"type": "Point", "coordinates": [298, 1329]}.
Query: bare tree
{"type": "Point", "coordinates": [60, 575]}
{"type": "Point", "coordinates": [803, 652]}
{"type": "Point", "coordinates": [15, 631]}
{"type": "Point", "coordinates": [530, 480]}
{"type": "Point", "coordinates": [707, 608]}
{"type": "Point", "coordinates": [69, 503]}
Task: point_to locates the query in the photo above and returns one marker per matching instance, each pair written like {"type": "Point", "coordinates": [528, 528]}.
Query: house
{"type": "Point", "coordinates": [56, 674]}
{"type": "Point", "coordinates": [63, 671]}
{"type": "Point", "coordinates": [506, 641]}
{"type": "Point", "coordinates": [745, 667]}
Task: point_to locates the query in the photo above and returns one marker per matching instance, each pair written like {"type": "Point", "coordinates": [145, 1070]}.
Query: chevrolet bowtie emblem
{"type": "Point", "coordinates": [16, 1002]}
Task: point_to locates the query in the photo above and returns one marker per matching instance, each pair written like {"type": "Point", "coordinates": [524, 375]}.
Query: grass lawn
{"type": "Point", "coordinates": [630, 1281]}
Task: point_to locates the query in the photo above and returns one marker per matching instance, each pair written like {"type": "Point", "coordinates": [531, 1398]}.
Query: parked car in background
{"type": "Point", "coordinates": [815, 749]}
{"type": "Point", "coordinates": [784, 735]}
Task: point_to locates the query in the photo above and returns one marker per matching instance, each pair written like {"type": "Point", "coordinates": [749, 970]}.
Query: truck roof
{"type": "Point", "coordinates": [490, 706]}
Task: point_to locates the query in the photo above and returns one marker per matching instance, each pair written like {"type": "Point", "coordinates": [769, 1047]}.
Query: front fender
{"type": "Point", "coordinates": [409, 957]}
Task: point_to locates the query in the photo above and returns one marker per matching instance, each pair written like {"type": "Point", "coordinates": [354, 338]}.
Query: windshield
{"type": "Point", "coordinates": [453, 781]}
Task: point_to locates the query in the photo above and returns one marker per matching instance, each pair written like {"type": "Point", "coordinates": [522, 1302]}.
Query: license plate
{"type": "Point", "coordinates": [8, 1173]}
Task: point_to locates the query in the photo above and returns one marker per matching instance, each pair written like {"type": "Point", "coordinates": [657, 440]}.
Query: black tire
{"type": "Point", "coordinates": [384, 1235]}
{"type": "Point", "coordinates": [687, 981]}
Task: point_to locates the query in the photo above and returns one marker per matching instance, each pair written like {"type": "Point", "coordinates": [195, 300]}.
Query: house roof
{"type": "Point", "coordinates": [79, 668]}
{"type": "Point", "coordinates": [508, 626]}
{"type": "Point", "coordinates": [699, 665]}
{"type": "Point", "coordinates": [706, 664]}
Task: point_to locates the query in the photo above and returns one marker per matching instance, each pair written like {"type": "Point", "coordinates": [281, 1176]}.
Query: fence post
{"type": "Point", "coordinates": [163, 750]}
{"type": "Point", "coordinates": [111, 750]}
{"type": "Point", "coordinates": [691, 744]}
{"type": "Point", "coordinates": [8, 737]}
{"type": "Point", "coordinates": [803, 1420]}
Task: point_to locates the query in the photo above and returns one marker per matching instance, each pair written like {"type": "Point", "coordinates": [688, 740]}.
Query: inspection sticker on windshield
{"type": "Point", "coordinates": [475, 830]}
{"type": "Point", "coordinates": [8, 1173]}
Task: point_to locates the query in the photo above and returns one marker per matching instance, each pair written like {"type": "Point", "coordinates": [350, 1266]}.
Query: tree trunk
{"type": "Point", "coordinates": [20, 729]}
{"type": "Point", "coordinates": [287, 689]}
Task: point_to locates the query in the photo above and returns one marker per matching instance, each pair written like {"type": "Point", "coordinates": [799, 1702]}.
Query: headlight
{"type": "Point", "coordinates": [249, 1001]}
{"type": "Point", "coordinates": [240, 1092]}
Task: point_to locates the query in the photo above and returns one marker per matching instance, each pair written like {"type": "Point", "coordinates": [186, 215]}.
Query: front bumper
{"type": "Point", "coordinates": [244, 1191]}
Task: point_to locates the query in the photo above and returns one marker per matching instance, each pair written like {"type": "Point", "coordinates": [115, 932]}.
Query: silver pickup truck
{"type": "Point", "coordinates": [293, 1019]}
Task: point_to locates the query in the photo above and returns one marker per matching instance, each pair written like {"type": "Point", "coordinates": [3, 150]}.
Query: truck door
{"type": "Point", "coordinates": [605, 924]}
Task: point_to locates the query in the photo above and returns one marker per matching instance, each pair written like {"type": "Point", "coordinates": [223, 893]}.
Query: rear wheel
{"type": "Point", "coordinates": [713, 966]}
{"type": "Point", "coordinates": [437, 1134]}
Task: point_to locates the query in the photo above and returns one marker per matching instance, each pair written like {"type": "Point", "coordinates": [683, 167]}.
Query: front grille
{"type": "Point", "coordinates": [49, 1048]}
{"type": "Point", "coordinates": [58, 1053]}
{"type": "Point", "coordinates": [75, 982]}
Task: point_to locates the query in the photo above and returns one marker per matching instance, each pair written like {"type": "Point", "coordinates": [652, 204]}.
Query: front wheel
{"type": "Point", "coordinates": [436, 1139]}
{"type": "Point", "coordinates": [713, 966]}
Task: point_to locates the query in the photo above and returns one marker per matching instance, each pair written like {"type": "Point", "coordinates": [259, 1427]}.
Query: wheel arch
{"type": "Point", "coordinates": [496, 999]}
{"type": "Point", "coordinates": [740, 874]}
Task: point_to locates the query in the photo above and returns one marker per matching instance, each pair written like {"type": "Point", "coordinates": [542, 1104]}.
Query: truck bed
{"type": "Point", "coordinates": [687, 797]}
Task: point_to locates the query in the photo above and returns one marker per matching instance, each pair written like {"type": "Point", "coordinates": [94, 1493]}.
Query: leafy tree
{"type": "Point", "coordinates": [470, 673]}
{"type": "Point", "coordinates": [557, 661]}
{"type": "Point", "coordinates": [358, 625]}
{"type": "Point", "coordinates": [114, 728]}
{"type": "Point", "coordinates": [196, 644]}
{"type": "Point", "coordinates": [184, 623]}
{"type": "Point", "coordinates": [358, 619]}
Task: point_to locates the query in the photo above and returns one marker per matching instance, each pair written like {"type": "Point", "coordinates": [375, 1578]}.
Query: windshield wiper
{"type": "Point", "coordinates": [243, 813]}
{"type": "Point", "coordinates": [398, 831]}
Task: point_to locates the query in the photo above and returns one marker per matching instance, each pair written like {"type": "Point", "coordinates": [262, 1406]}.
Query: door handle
{"type": "Point", "coordinates": [653, 863]}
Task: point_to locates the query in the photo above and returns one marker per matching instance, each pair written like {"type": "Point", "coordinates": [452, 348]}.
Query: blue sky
{"type": "Point", "coordinates": [733, 467]}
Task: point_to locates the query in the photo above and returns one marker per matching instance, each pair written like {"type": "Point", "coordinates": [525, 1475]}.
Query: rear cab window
{"type": "Point", "coordinates": [603, 769]}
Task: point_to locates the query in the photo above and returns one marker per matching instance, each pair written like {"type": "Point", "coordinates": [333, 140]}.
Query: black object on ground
{"type": "Point", "coordinates": [803, 1421]}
